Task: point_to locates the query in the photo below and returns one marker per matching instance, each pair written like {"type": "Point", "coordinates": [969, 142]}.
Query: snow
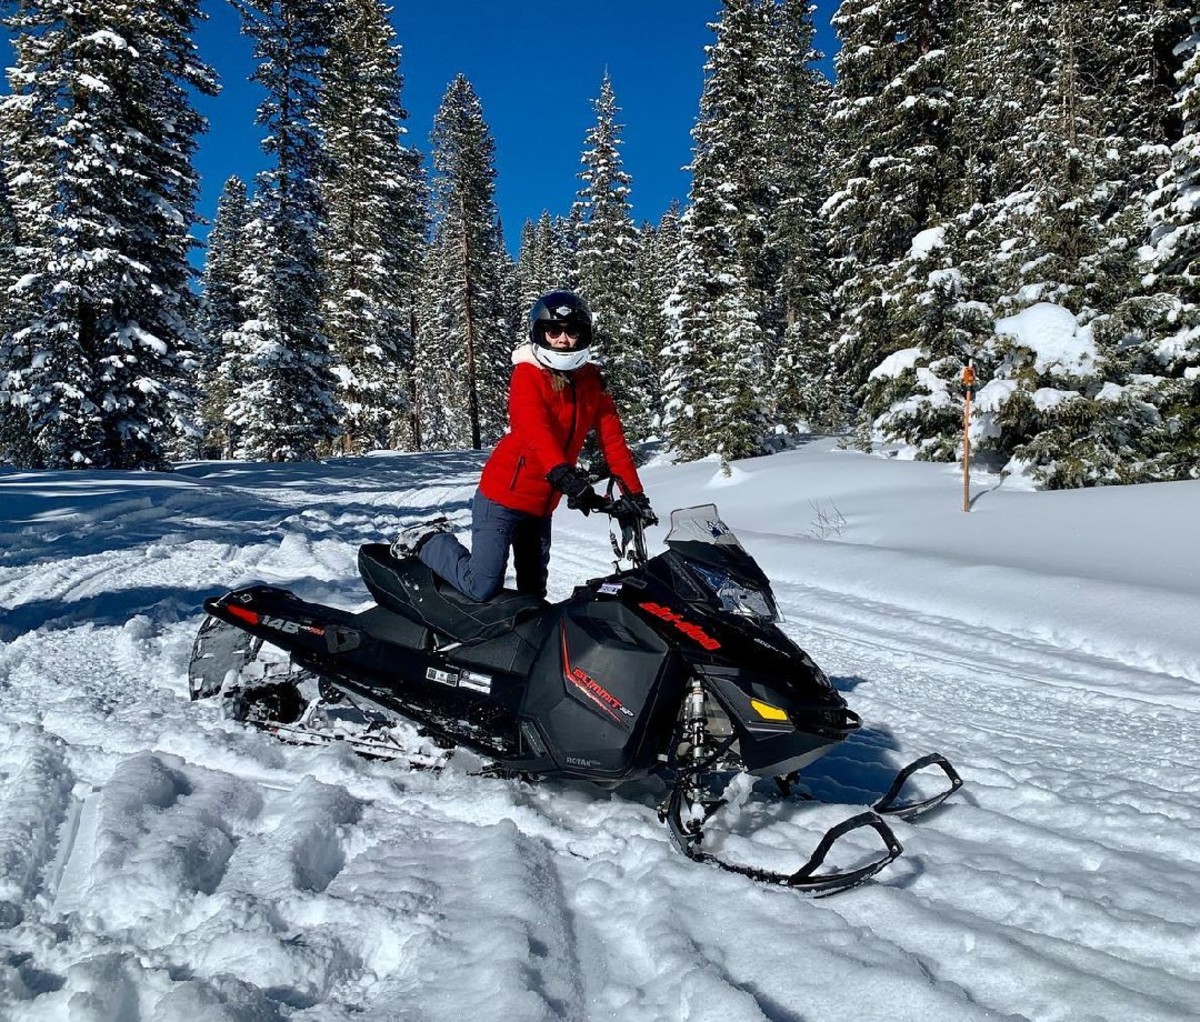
{"type": "Point", "coordinates": [896, 363]}
{"type": "Point", "coordinates": [926, 242]}
{"type": "Point", "coordinates": [159, 861]}
{"type": "Point", "coordinates": [1051, 332]}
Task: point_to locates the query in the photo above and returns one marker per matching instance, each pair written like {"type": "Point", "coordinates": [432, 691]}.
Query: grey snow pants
{"type": "Point", "coordinates": [479, 572]}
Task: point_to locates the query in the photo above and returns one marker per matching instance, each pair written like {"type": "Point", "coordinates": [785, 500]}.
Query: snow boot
{"type": "Point", "coordinates": [411, 538]}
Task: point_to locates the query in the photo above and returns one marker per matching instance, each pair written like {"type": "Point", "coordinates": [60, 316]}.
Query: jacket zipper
{"type": "Point", "coordinates": [574, 414]}
{"type": "Point", "coordinates": [570, 436]}
{"type": "Point", "coordinates": [516, 472]}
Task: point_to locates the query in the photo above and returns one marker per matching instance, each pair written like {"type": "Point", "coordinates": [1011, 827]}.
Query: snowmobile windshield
{"type": "Point", "coordinates": [720, 562]}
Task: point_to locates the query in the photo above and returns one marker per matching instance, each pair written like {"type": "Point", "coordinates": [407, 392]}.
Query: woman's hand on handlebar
{"type": "Point", "coordinates": [633, 506]}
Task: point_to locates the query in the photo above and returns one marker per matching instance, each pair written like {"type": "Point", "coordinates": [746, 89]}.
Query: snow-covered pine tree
{"type": "Point", "coordinates": [8, 251]}
{"type": "Point", "coordinates": [544, 260]}
{"type": "Point", "coordinates": [99, 133]}
{"type": "Point", "coordinates": [1126, 437]}
{"type": "Point", "coordinates": [16, 443]}
{"type": "Point", "coordinates": [800, 368]}
{"type": "Point", "coordinates": [656, 273]}
{"type": "Point", "coordinates": [568, 231]}
{"type": "Point", "coordinates": [986, 80]}
{"type": "Point", "coordinates": [221, 313]}
{"type": "Point", "coordinates": [713, 382]}
{"type": "Point", "coordinates": [461, 343]}
{"type": "Point", "coordinates": [375, 225]}
{"type": "Point", "coordinates": [508, 328]}
{"type": "Point", "coordinates": [1068, 224]}
{"type": "Point", "coordinates": [284, 405]}
{"type": "Point", "coordinates": [607, 256]}
{"type": "Point", "coordinates": [1141, 36]}
{"type": "Point", "coordinates": [1174, 256]}
{"type": "Point", "coordinates": [914, 395]}
{"type": "Point", "coordinates": [892, 120]}
{"type": "Point", "coordinates": [22, 144]}
{"type": "Point", "coordinates": [529, 270]}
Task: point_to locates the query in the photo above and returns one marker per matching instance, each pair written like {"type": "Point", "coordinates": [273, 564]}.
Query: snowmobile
{"type": "Point", "coordinates": [673, 667]}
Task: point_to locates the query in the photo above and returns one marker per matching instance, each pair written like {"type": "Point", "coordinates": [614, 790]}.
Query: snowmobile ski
{"type": "Point", "coordinates": [688, 835]}
{"type": "Point", "coordinates": [888, 806]}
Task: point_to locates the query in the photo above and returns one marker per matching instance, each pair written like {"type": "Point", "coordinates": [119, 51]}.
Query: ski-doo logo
{"type": "Point", "coordinates": [692, 631]}
{"type": "Point", "coordinates": [290, 627]}
{"type": "Point", "coordinates": [590, 688]}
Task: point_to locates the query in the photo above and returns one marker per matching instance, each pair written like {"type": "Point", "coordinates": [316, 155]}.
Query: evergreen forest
{"type": "Point", "coordinates": [846, 249]}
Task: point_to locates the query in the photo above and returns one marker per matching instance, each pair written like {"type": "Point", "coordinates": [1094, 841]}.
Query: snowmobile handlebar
{"type": "Point", "coordinates": [631, 516]}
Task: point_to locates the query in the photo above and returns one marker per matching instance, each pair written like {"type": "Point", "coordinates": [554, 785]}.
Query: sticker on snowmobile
{"type": "Point", "coordinates": [474, 680]}
{"type": "Point", "coordinates": [579, 761]}
{"type": "Point", "coordinates": [290, 627]}
{"type": "Point", "coordinates": [692, 631]}
{"type": "Point", "coordinates": [442, 677]}
{"type": "Point", "coordinates": [595, 693]}
{"type": "Point", "coordinates": [249, 616]}
{"type": "Point", "coordinates": [610, 588]}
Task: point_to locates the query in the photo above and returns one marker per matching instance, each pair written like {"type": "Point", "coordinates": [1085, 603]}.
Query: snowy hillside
{"type": "Point", "coordinates": [160, 862]}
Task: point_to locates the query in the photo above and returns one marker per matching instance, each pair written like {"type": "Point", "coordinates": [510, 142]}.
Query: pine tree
{"type": "Point", "coordinates": [221, 313]}
{"type": "Point", "coordinates": [800, 369]}
{"type": "Point", "coordinates": [375, 227]}
{"type": "Point", "coordinates": [16, 445]}
{"type": "Point", "coordinates": [463, 344]}
{"type": "Point", "coordinates": [656, 273]}
{"type": "Point", "coordinates": [892, 119]}
{"type": "Point", "coordinates": [508, 327]}
{"type": "Point", "coordinates": [568, 235]}
{"type": "Point", "coordinates": [530, 275]}
{"type": "Point", "coordinates": [284, 406]}
{"type": "Point", "coordinates": [713, 383]}
{"type": "Point", "coordinates": [1069, 225]}
{"type": "Point", "coordinates": [607, 259]}
{"type": "Point", "coordinates": [544, 260]}
{"type": "Point", "coordinates": [98, 133]}
{"type": "Point", "coordinates": [1171, 351]}
{"type": "Point", "coordinates": [913, 396]}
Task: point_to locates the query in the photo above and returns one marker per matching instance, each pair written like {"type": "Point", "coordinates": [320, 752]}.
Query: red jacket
{"type": "Point", "coordinates": [547, 426]}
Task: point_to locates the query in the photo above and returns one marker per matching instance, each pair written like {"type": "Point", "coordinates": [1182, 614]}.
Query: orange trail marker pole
{"type": "Point", "coordinates": [968, 379]}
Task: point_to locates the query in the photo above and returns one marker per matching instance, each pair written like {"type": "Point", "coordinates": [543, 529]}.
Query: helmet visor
{"type": "Point", "coordinates": [550, 333]}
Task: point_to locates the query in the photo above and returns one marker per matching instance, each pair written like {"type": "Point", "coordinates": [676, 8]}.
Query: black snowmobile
{"type": "Point", "coordinates": [673, 667]}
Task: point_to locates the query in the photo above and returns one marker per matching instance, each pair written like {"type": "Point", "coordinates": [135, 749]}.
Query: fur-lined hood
{"type": "Point", "coordinates": [523, 352]}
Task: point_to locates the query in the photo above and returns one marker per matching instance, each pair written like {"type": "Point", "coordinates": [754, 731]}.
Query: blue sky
{"type": "Point", "coordinates": [536, 66]}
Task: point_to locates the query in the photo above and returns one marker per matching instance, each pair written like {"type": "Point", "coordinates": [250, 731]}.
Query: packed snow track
{"type": "Point", "coordinates": [160, 861]}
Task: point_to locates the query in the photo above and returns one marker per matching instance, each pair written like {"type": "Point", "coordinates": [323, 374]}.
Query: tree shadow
{"type": "Point", "coordinates": [848, 683]}
{"type": "Point", "coordinates": [163, 604]}
{"type": "Point", "coordinates": [860, 771]}
{"type": "Point", "coordinates": [51, 516]}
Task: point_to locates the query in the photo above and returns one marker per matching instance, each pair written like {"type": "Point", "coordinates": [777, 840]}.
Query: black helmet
{"type": "Point", "coordinates": [567, 310]}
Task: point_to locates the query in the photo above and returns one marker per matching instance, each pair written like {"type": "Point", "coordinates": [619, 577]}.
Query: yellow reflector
{"type": "Point", "coordinates": [768, 712]}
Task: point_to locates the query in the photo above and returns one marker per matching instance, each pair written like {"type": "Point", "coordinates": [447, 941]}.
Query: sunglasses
{"type": "Point", "coordinates": [555, 330]}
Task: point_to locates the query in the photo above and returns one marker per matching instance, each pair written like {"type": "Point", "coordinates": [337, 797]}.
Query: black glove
{"type": "Point", "coordinates": [641, 503]}
{"type": "Point", "coordinates": [573, 482]}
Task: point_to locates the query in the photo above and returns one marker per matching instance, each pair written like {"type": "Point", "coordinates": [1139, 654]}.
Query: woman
{"type": "Point", "coordinates": [556, 396]}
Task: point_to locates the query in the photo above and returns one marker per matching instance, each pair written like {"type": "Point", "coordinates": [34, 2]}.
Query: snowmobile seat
{"type": "Point", "coordinates": [383, 624]}
{"type": "Point", "coordinates": [407, 587]}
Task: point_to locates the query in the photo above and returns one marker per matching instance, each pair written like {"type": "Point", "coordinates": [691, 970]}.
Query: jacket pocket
{"type": "Point", "coordinates": [516, 472]}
